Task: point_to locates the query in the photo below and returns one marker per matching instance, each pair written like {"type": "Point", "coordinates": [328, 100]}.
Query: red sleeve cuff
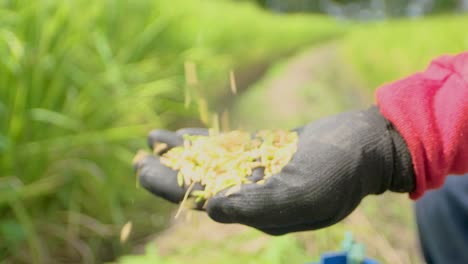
{"type": "Point", "coordinates": [430, 111]}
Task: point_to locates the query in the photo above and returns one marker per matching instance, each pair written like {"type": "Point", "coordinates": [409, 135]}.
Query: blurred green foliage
{"type": "Point", "coordinates": [208, 242]}
{"type": "Point", "coordinates": [82, 82]}
{"type": "Point", "coordinates": [286, 249]}
{"type": "Point", "coordinates": [389, 50]}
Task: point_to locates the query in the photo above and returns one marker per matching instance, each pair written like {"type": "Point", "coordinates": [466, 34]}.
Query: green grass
{"type": "Point", "coordinates": [81, 83]}
{"type": "Point", "coordinates": [238, 245]}
{"type": "Point", "coordinates": [285, 249]}
{"type": "Point", "coordinates": [390, 50]}
{"type": "Point", "coordinates": [384, 233]}
{"type": "Point", "coordinates": [75, 95]}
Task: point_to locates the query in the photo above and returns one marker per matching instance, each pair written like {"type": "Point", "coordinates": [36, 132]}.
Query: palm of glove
{"type": "Point", "coordinates": [339, 160]}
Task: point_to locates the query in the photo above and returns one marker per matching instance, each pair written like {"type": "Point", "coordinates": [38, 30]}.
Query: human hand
{"type": "Point", "coordinates": [339, 160]}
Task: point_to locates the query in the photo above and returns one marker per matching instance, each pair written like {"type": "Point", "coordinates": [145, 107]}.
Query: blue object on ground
{"type": "Point", "coordinates": [353, 253]}
{"type": "Point", "coordinates": [334, 258]}
{"type": "Point", "coordinates": [341, 258]}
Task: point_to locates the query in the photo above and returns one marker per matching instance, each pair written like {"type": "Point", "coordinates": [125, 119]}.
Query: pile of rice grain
{"type": "Point", "coordinates": [223, 160]}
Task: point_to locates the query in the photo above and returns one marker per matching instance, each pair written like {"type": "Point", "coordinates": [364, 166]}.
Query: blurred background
{"type": "Point", "coordinates": [82, 82]}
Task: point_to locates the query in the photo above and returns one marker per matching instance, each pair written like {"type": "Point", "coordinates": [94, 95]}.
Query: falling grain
{"type": "Point", "coordinates": [225, 121]}
{"type": "Point", "coordinates": [190, 73]}
{"type": "Point", "coordinates": [159, 147]}
{"type": "Point", "coordinates": [215, 123]}
{"type": "Point", "coordinates": [125, 232]}
{"type": "Point", "coordinates": [232, 79]}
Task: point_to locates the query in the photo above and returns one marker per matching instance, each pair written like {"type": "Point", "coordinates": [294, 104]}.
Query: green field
{"type": "Point", "coordinates": [82, 82]}
{"type": "Point", "coordinates": [385, 51]}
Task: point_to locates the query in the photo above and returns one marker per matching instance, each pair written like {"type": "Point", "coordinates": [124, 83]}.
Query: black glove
{"type": "Point", "coordinates": [339, 160]}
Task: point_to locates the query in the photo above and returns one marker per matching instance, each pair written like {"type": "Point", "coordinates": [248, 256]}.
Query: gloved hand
{"type": "Point", "coordinates": [339, 160]}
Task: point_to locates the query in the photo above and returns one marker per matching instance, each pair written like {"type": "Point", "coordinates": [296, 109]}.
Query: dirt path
{"type": "Point", "coordinates": [316, 65]}
{"type": "Point", "coordinates": [312, 84]}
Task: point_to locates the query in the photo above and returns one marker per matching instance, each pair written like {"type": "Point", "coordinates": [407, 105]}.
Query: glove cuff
{"type": "Point", "coordinates": [398, 163]}
{"type": "Point", "coordinates": [403, 178]}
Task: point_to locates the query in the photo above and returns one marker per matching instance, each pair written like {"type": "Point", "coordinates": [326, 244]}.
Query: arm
{"type": "Point", "coordinates": [409, 143]}
{"type": "Point", "coordinates": [430, 111]}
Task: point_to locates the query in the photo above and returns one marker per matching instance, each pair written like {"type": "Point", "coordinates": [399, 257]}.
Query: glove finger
{"type": "Point", "coordinates": [162, 181]}
{"type": "Point", "coordinates": [252, 205]}
{"type": "Point", "coordinates": [279, 231]}
{"type": "Point", "coordinates": [193, 131]}
{"type": "Point", "coordinates": [275, 231]}
{"type": "Point", "coordinates": [298, 130]}
{"type": "Point", "coordinates": [159, 179]}
{"type": "Point", "coordinates": [257, 174]}
{"type": "Point", "coordinates": [161, 140]}
{"type": "Point", "coordinates": [261, 206]}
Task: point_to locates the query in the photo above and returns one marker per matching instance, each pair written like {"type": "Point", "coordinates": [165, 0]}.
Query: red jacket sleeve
{"type": "Point", "coordinates": [430, 111]}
